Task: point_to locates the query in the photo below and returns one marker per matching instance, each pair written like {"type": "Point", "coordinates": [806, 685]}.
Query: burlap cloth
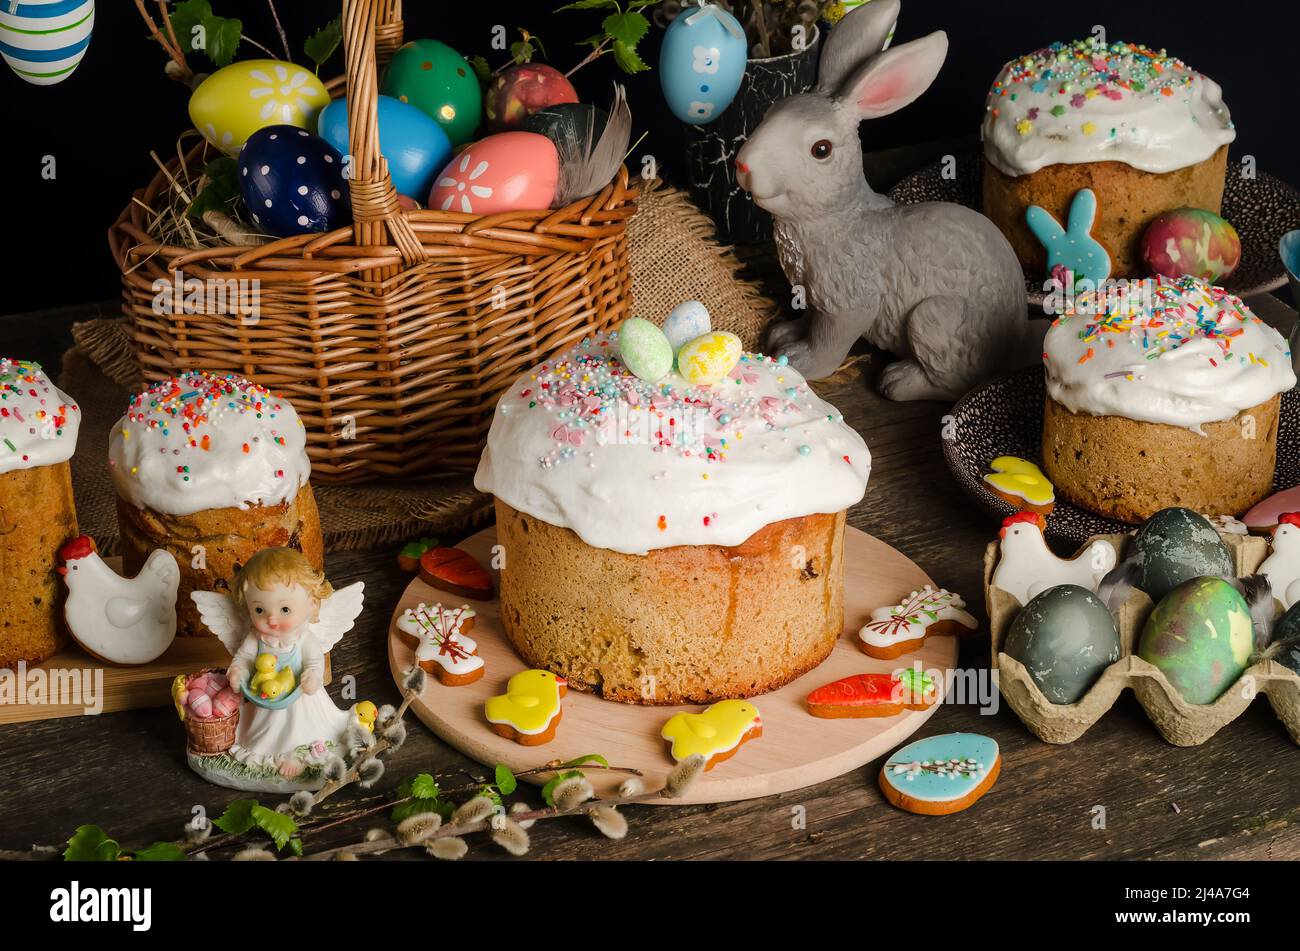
{"type": "Point", "coordinates": [674, 255]}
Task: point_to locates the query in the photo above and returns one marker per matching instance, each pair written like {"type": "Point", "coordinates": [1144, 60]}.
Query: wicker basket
{"type": "Point", "coordinates": [392, 338]}
{"type": "Point", "coordinates": [213, 736]}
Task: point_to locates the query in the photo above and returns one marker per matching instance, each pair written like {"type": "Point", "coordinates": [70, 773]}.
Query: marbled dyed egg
{"type": "Point", "coordinates": [644, 349]}
{"type": "Point", "coordinates": [439, 82]}
{"type": "Point", "coordinates": [1174, 545]}
{"type": "Point", "coordinates": [1191, 241]}
{"type": "Point", "coordinates": [234, 102]}
{"type": "Point", "coordinates": [1066, 639]}
{"type": "Point", "coordinates": [1201, 636]}
{"type": "Point", "coordinates": [522, 90]}
{"type": "Point", "coordinates": [1285, 645]}
{"type": "Point", "coordinates": [43, 41]}
{"type": "Point", "coordinates": [701, 63]}
{"type": "Point", "coordinates": [688, 320]}
{"type": "Point", "coordinates": [708, 359]}
{"type": "Point", "coordinates": [510, 171]}
{"type": "Point", "coordinates": [415, 146]}
{"type": "Point", "coordinates": [292, 182]}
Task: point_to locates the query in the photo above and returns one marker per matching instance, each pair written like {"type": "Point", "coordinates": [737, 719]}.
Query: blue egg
{"type": "Point", "coordinates": [292, 182]}
{"type": "Point", "coordinates": [415, 145]}
{"type": "Point", "coordinates": [702, 62]}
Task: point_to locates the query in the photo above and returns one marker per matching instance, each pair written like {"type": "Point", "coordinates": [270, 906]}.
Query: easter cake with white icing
{"type": "Point", "coordinates": [212, 468]}
{"type": "Point", "coordinates": [671, 541]}
{"type": "Point", "coordinates": [1167, 394]}
{"type": "Point", "coordinates": [1145, 132]}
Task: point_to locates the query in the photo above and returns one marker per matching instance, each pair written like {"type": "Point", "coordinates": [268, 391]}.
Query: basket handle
{"type": "Point", "coordinates": [372, 33]}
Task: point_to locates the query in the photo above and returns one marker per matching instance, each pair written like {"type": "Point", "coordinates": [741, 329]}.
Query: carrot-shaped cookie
{"type": "Point", "coordinates": [892, 632]}
{"type": "Point", "coordinates": [456, 572]}
{"type": "Point", "coordinates": [437, 635]}
{"type": "Point", "coordinates": [716, 734]}
{"type": "Point", "coordinates": [408, 559]}
{"type": "Point", "coordinates": [872, 695]}
{"type": "Point", "coordinates": [529, 711]}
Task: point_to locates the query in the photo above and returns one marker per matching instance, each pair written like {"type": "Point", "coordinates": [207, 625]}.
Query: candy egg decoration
{"type": "Point", "coordinates": [686, 321]}
{"type": "Point", "coordinates": [1174, 545]}
{"type": "Point", "coordinates": [1191, 241]}
{"type": "Point", "coordinates": [708, 359]}
{"type": "Point", "coordinates": [644, 349]}
{"type": "Point", "coordinates": [701, 63]}
{"type": "Point", "coordinates": [236, 101]}
{"type": "Point", "coordinates": [520, 91]}
{"type": "Point", "coordinates": [439, 82]}
{"type": "Point", "coordinates": [1066, 639]}
{"type": "Point", "coordinates": [509, 171]}
{"type": "Point", "coordinates": [43, 41]}
{"type": "Point", "coordinates": [292, 182]}
{"type": "Point", "coordinates": [1201, 636]}
{"type": "Point", "coordinates": [415, 146]}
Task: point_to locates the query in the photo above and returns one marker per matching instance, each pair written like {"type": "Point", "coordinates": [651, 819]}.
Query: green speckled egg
{"type": "Point", "coordinates": [1066, 639]}
{"type": "Point", "coordinates": [1200, 635]}
{"type": "Point", "coordinates": [1175, 545]}
{"type": "Point", "coordinates": [644, 349]}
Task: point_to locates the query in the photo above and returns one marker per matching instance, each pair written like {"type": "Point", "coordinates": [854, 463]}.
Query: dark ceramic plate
{"type": "Point", "coordinates": [1262, 209]}
{"type": "Point", "coordinates": [1005, 418]}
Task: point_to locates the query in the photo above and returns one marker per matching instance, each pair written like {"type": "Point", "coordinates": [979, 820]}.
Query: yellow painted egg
{"type": "Point", "coordinates": [709, 358]}
{"type": "Point", "coordinates": [234, 102]}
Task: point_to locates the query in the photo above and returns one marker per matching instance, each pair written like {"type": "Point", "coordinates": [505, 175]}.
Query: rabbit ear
{"type": "Point", "coordinates": [896, 77]}
{"type": "Point", "coordinates": [854, 40]}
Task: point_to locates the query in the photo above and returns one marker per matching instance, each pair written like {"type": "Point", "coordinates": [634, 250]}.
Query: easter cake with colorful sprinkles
{"type": "Point", "coordinates": [1166, 393]}
{"type": "Point", "coordinates": [213, 469]}
{"type": "Point", "coordinates": [676, 538]}
{"type": "Point", "coordinates": [1141, 129]}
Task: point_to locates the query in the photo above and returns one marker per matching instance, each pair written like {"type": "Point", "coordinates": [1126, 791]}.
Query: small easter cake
{"type": "Point", "coordinates": [673, 539]}
{"type": "Point", "coordinates": [38, 435]}
{"type": "Point", "coordinates": [1141, 130]}
{"type": "Point", "coordinates": [212, 469]}
{"type": "Point", "coordinates": [1167, 394]}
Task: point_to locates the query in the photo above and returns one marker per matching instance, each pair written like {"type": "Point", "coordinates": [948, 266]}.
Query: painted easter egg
{"type": "Point", "coordinates": [569, 123]}
{"type": "Point", "coordinates": [522, 90]}
{"type": "Point", "coordinates": [708, 359]}
{"type": "Point", "coordinates": [1175, 545]}
{"type": "Point", "coordinates": [43, 41]}
{"type": "Point", "coordinates": [701, 63]}
{"type": "Point", "coordinates": [439, 82]}
{"type": "Point", "coordinates": [1285, 646]}
{"type": "Point", "coordinates": [414, 145]}
{"type": "Point", "coordinates": [1066, 639]}
{"type": "Point", "coordinates": [688, 320]}
{"type": "Point", "coordinates": [292, 182]}
{"type": "Point", "coordinates": [1201, 636]}
{"type": "Point", "coordinates": [234, 102]}
{"type": "Point", "coordinates": [510, 171]}
{"type": "Point", "coordinates": [644, 349]}
{"type": "Point", "coordinates": [1191, 241]}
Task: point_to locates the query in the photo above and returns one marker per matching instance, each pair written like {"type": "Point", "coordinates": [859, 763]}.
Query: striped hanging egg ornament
{"type": "Point", "coordinates": [43, 41]}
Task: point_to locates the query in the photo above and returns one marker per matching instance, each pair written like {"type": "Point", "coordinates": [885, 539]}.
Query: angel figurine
{"type": "Point", "coordinates": [278, 621]}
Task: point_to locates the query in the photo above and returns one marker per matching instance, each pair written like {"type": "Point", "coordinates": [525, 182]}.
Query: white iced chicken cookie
{"type": "Point", "coordinates": [38, 422]}
{"type": "Point", "coordinates": [1187, 355]}
{"type": "Point", "coordinates": [202, 441]}
{"type": "Point", "coordinates": [1086, 101]}
{"type": "Point", "coordinates": [631, 466]}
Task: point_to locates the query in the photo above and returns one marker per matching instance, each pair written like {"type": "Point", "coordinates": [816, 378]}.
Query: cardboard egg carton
{"type": "Point", "coordinates": [1179, 722]}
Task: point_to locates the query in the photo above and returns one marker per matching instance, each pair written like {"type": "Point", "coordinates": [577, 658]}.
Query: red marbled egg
{"type": "Point", "coordinates": [1191, 241]}
{"type": "Point", "coordinates": [522, 90]}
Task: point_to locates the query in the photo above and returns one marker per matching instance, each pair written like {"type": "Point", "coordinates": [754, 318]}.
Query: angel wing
{"type": "Point", "coordinates": [338, 612]}
{"type": "Point", "coordinates": [223, 618]}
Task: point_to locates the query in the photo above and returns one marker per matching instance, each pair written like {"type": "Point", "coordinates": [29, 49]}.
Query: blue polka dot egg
{"type": "Point", "coordinates": [293, 183]}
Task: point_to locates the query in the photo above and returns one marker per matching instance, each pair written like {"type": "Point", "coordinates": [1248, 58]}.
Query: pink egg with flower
{"type": "Point", "coordinates": [509, 171]}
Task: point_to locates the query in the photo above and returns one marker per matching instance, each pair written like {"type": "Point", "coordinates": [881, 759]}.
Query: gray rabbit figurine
{"type": "Point", "coordinates": [937, 284]}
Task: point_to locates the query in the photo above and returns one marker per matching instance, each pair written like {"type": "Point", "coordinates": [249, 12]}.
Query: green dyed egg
{"type": "Point", "coordinates": [1201, 636]}
{"type": "Point", "coordinates": [1066, 639]}
{"type": "Point", "coordinates": [644, 349]}
{"type": "Point", "coordinates": [438, 81]}
{"type": "Point", "coordinates": [1175, 545]}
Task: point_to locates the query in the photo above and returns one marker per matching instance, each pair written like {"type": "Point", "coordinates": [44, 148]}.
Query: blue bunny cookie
{"type": "Point", "coordinates": [941, 774]}
{"type": "Point", "coordinates": [1072, 247]}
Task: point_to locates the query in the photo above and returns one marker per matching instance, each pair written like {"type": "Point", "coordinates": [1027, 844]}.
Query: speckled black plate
{"type": "Point", "coordinates": [1005, 418]}
{"type": "Point", "coordinates": [1262, 209]}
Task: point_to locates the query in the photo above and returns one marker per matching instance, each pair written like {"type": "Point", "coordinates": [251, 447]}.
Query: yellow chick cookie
{"type": "Point", "coordinates": [1021, 483]}
{"type": "Point", "coordinates": [529, 711]}
{"type": "Point", "coordinates": [716, 734]}
{"type": "Point", "coordinates": [267, 682]}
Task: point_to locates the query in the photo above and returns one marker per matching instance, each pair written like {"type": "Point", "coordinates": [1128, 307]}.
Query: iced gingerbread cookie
{"type": "Point", "coordinates": [437, 635]}
{"type": "Point", "coordinates": [529, 711]}
{"type": "Point", "coordinates": [1021, 483]}
{"type": "Point", "coordinates": [408, 559]}
{"type": "Point", "coordinates": [456, 572]}
{"type": "Point", "coordinates": [716, 734]}
{"type": "Point", "coordinates": [894, 631]}
{"type": "Point", "coordinates": [1282, 566]}
{"type": "Point", "coordinates": [1027, 567]}
{"type": "Point", "coordinates": [940, 775]}
{"type": "Point", "coordinates": [873, 695]}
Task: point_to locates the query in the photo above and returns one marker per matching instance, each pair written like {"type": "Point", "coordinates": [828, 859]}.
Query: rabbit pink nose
{"type": "Point", "coordinates": [742, 167]}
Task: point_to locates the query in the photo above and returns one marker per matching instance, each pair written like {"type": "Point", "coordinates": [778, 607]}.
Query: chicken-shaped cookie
{"type": "Point", "coordinates": [529, 711]}
{"type": "Point", "coordinates": [437, 635]}
{"type": "Point", "coordinates": [1027, 567]}
{"type": "Point", "coordinates": [716, 734]}
{"type": "Point", "coordinates": [1283, 565]}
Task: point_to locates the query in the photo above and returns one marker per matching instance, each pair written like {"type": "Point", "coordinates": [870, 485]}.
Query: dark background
{"type": "Point", "coordinates": [101, 124]}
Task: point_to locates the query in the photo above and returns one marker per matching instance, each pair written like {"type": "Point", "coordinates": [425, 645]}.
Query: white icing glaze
{"type": "Point", "coordinates": [38, 423]}
{"type": "Point", "coordinates": [441, 640]}
{"type": "Point", "coordinates": [1027, 567]}
{"type": "Point", "coordinates": [1086, 102]}
{"type": "Point", "coordinates": [632, 466]}
{"type": "Point", "coordinates": [909, 620]}
{"type": "Point", "coordinates": [202, 442]}
{"type": "Point", "coordinates": [1181, 352]}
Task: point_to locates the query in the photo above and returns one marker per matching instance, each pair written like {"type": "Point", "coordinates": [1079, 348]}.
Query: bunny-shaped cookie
{"type": "Point", "coordinates": [937, 284]}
